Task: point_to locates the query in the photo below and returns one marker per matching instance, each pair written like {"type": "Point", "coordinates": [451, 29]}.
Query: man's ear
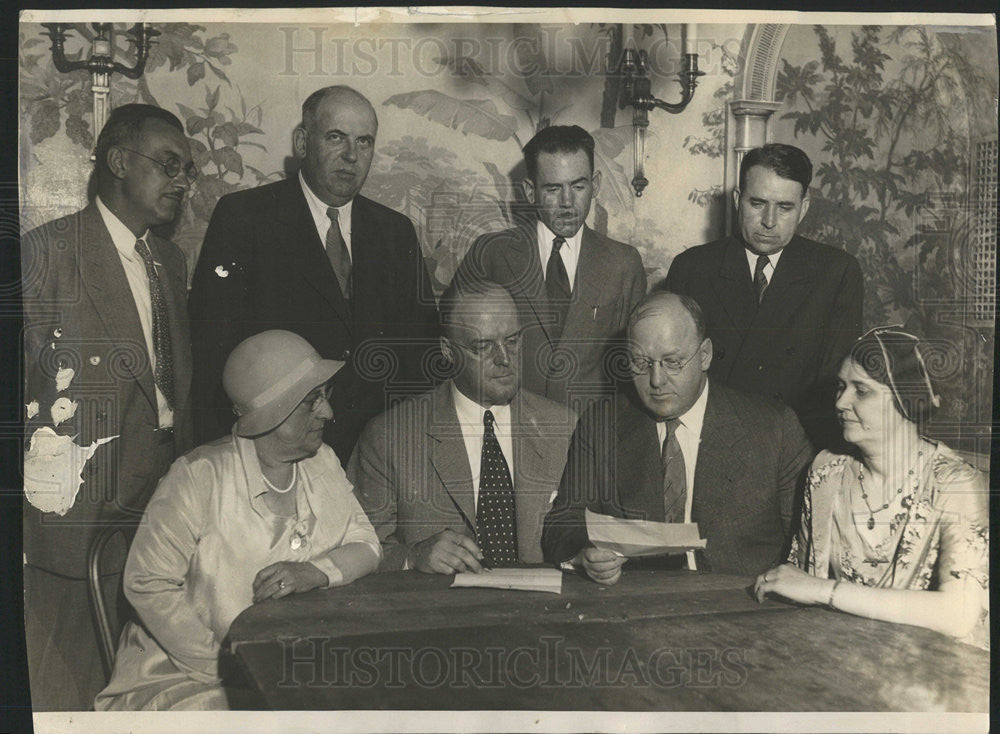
{"type": "Point", "coordinates": [805, 207]}
{"type": "Point", "coordinates": [595, 182]}
{"type": "Point", "coordinates": [299, 142]}
{"type": "Point", "coordinates": [736, 198]}
{"type": "Point", "coordinates": [115, 159]}
{"type": "Point", "coordinates": [529, 190]}
{"type": "Point", "coordinates": [707, 352]}
{"type": "Point", "coordinates": [446, 349]}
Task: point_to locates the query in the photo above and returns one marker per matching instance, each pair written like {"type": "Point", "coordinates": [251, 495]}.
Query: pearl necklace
{"type": "Point", "coordinates": [286, 490]}
{"type": "Point", "coordinates": [885, 505]}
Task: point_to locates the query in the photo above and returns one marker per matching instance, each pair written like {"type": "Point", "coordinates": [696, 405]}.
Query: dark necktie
{"type": "Point", "coordinates": [496, 523]}
{"type": "Point", "coordinates": [163, 375]}
{"type": "Point", "coordinates": [336, 251]}
{"type": "Point", "coordinates": [759, 279]}
{"type": "Point", "coordinates": [674, 477]}
{"type": "Point", "coordinates": [557, 286]}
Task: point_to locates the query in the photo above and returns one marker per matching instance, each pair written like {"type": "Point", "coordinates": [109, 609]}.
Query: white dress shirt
{"type": "Point", "coordinates": [470, 419]}
{"type": "Point", "coordinates": [772, 263]}
{"type": "Point", "coordinates": [318, 210]}
{"type": "Point", "coordinates": [138, 283]}
{"type": "Point", "coordinates": [688, 438]}
{"type": "Point", "coordinates": [570, 252]}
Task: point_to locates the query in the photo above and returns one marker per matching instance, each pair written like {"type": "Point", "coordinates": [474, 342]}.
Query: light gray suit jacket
{"type": "Point", "coordinates": [411, 472]}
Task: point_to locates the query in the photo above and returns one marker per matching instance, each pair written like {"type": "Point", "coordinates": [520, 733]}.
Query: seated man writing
{"type": "Point", "coordinates": [671, 447]}
{"type": "Point", "coordinates": [461, 477]}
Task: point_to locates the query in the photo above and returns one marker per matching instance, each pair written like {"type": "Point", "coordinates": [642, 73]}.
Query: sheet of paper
{"type": "Point", "coordinates": [640, 537]}
{"type": "Point", "coordinates": [526, 579]}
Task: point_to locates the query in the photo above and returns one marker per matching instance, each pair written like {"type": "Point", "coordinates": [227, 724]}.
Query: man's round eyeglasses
{"type": "Point", "coordinates": [488, 348]}
{"type": "Point", "coordinates": [317, 397]}
{"type": "Point", "coordinates": [171, 167]}
{"type": "Point", "coordinates": [644, 365]}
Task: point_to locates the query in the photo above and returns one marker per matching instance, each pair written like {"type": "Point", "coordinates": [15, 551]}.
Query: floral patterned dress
{"type": "Point", "coordinates": [936, 528]}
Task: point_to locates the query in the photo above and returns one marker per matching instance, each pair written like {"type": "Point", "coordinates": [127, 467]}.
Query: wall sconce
{"type": "Point", "coordinates": [101, 63]}
{"type": "Point", "coordinates": [637, 92]}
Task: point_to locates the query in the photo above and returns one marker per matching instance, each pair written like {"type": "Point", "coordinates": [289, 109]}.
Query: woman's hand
{"type": "Point", "coordinates": [794, 584]}
{"type": "Point", "coordinates": [286, 577]}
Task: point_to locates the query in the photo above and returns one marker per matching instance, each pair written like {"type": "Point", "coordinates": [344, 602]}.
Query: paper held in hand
{"type": "Point", "coordinates": [634, 538]}
{"type": "Point", "coordinates": [525, 579]}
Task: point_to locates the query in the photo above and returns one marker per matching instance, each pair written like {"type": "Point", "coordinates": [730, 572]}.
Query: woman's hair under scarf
{"type": "Point", "coordinates": [892, 357]}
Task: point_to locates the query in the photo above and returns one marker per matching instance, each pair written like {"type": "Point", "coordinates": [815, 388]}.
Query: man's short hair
{"type": "Point", "coordinates": [558, 139]}
{"type": "Point", "coordinates": [785, 160]}
{"type": "Point", "coordinates": [457, 291]}
{"type": "Point", "coordinates": [314, 100]}
{"type": "Point", "coordinates": [690, 305]}
{"type": "Point", "coordinates": [123, 126]}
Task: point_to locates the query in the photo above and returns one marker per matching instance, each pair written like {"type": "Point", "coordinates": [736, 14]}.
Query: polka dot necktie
{"type": "Point", "coordinates": [163, 374]}
{"type": "Point", "coordinates": [336, 252]}
{"type": "Point", "coordinates": [557, 286]}
{"type": "Point", "coordinates": [496, 523]}
{"type": "Point", "coordinates": [674, 475]}
{"type": "Point", "coordinates": [759, 279]}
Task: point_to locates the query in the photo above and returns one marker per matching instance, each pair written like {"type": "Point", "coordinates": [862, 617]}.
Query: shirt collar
{"type": "Point", "coordinates": [693, 419]}
{"type": "Point", "coordinates": [121, 235]}
{"type": "Point", "coordinates": [752, 258]}
{"type": "Point", "coordinates": [471, 413]}
{"type": "Point", "coordinates": [318, 209]}
{"type": "Point", "coordinates": [546, 236]}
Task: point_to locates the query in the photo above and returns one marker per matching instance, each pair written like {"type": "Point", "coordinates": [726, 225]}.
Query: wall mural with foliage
{"type": "Point", "coordinates": [888, 116]}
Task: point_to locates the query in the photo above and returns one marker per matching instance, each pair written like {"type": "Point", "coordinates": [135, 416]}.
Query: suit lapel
{"type": "Point", "coordinates": [640, 472]}
{"type": "Point", "coordinates": [526, 274]}
{"type": "Point", "coordinates": [790, 285]}
{"type": "Point", "coordinates": [722, 457]}
{"type": "Point", "coordinates": [734, 288]}
{"type": "Point", "coordinates": [589, 284]}
{"type": "Point", "coordinates": [448, 455]}
{"type": "Point", "coordinates": [103, 277]}
{"type": "Point", "coordinates": [301, 243]}
{"type": "Point", "coordinates": [528, 465]}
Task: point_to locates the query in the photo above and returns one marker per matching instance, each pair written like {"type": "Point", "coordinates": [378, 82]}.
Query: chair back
{"type": "Point", "coordinates": [107, 627]}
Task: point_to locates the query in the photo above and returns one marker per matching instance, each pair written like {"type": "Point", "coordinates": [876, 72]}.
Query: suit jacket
{"type": "Point", "coordinates": [411, 472]}
{"type": "Point", "coordinates": [80, 313]}
{"type": "Point", "coordinates": [751, 459]}
{"type": "Point", "coordinates": [262, 266]}
{"type": "Point", "coordinates": [789, 347]}
{"type": "Point", "coordinates": [610, 281]}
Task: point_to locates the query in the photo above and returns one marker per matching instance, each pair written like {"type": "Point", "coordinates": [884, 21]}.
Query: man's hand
{"type": "Point", "coordinates": [447, 552]}
{"type": "Point", "coordinates": [604, 566]}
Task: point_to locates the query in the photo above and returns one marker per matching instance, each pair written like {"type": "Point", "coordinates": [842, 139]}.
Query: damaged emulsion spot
{"type": "Point", "coordinates": [221, 271]}
{"type": "Point", "coordinates": [64, 376]}
{"type": "Point", "coordinates": [53, 468]}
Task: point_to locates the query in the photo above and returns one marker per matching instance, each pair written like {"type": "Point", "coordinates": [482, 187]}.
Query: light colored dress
{"type": "Point", "coordinates": [937, 528]}
{"type": "Point", "coordinates": [205, 535]}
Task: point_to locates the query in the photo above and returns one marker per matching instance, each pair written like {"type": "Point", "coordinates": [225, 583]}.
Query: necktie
{"type": "Point", "coordinates": [163, 374]}
{"type": "Point", "coordinates": [759, 279]}
{"type": "Point", "coordinates": [674, 479]}
{"type": "Point", "coordinates": [557, 286]}
{"type": "Point", "coordinates": [496, 524]}
{"type": "Point", "coordinates": [336, 251]}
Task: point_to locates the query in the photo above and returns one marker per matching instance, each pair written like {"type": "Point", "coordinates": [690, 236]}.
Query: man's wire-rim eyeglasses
{"type": "Point", "coordinates": [644, 365]}
{"type": "Point", "coordinates": [171, 166]}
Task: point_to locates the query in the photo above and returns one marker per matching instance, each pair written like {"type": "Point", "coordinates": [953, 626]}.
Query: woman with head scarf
{"type": "Point", "coordinates": [260, 514]}
{"type": "Point", "coordinates": [898, 531]}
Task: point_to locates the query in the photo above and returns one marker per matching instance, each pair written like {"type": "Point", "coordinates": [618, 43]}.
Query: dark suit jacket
{"type": "Point", "coordinates": [411, 472]}
{"type": "Point", "coordinates": [80, 313]}
{"type": "Point", "coordinates": [790, 346]}
{"type": "Point", "coordinates": [610, 281]}
{"type": "Point", "coordinates": [750, 460]}
{"type": "Point", "coordinates": [262, 266]}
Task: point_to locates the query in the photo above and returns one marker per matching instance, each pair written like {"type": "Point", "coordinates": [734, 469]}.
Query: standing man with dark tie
{"type": "Point", "coordinates": [781, 310]}
{"type": "Point", "coordinates": [311, 255]}
{"type": "Point", "coordinates": [573, 287]}
{"type": "Point", "coordinates": [108, 362]}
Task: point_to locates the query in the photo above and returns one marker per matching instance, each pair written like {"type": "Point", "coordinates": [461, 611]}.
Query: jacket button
{"type": "Point", "coordinates": [346, 355]}
{"type": "Point", "coordinates": [760, 368]}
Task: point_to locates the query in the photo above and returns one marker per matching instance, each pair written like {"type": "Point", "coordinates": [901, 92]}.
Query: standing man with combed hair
{"type": "Point", "coordinates": [574, 288]}
{"type": "Point", "coordinates": [781, 310]}
{"type": "Point", "coordinates": [108, 368]}
{"type": "Point", "coordinates": [311, 255]}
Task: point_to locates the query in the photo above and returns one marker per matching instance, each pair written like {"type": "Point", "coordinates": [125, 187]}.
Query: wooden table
{"type": "Point", "coordinates": [656, 641]}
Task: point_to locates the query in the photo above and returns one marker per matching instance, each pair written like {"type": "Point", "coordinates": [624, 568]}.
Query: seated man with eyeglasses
{"type": "Point", "coordinates": [670, 447]}
{"type": "Point", "coordinates": [461, 477]}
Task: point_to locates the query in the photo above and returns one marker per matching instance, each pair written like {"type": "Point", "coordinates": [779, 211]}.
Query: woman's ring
{"type": "Point", "coordinates": [281, 584]}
